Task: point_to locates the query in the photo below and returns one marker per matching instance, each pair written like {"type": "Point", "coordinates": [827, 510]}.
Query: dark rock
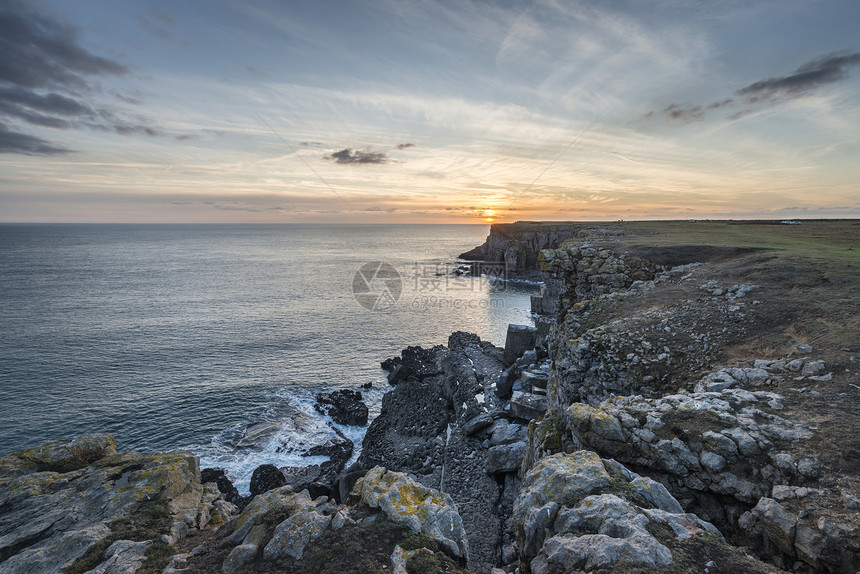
{"type": "Point", "coordinates": [397, 373]}
{"type": "Point", "coordinates": [367, 386]}
{"type": "Point", "coordinates": [402, 437]}
{"type": "Point", "coordinates": [343, 406]}
{"type": "Point", "coordinates": [528, 407]}
{"type": "Point", "coordinates": [300, 477]}
{"type": "Point", "coordinates": [505, 384]}
{"type": "Point", "coordinates": [346, 481]}
{"type": "Point", "coordinates": [266, 477]}
{"type": "Point", "coordinates": [317, 489]}
{"type": "Point", "coordinates": [520, 338]}
{"type": "Point", "coordinates": [225, 486]}
{"type": "Point", "coordinates": [339, 450]}
{"type": "Point", "coordinates": [477, 423]}
{"type": "Point", "coordinates": [505, 458]}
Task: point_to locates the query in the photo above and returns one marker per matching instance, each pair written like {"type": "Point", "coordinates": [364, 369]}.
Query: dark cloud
{"type": "Point", "coordinates": [807, 77]}
{"type": "Point", "coordinates": [716, 105]}
{"type": "Point", "coordinates": [187, 137]}
{"type": "Point", "coordinates": [405, 145]}
{"type": "Point", "coordinates": [684, 114]}
{"type": "Point", "coordinates": [16, 142]}
{"type": "Point", "coordinates": [39, 52]}
{"type": "Point", "coordinates": [47, 79]}
{"type": "Point", "coordinates": [346, 156]}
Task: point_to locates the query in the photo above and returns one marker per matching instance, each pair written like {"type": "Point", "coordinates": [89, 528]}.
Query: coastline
{"type": "Point", "coordinates": [667, 378]}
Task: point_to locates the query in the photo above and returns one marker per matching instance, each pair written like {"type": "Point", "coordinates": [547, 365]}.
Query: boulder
{"type": "Point", "coordinates": [51, 519]}
{"type": "Point", "coordinates": [505, 458]}
{"type": "Point", "coordinates": [578, 512]}
{"type": "Point", "coordinates": [343, 406]}
{"type": "Point", "coordinates": [528, 406]}
{"type": "Point", "coordinates": [225, 486]}
{"type": "Point", "coordinates": [422, 509]}
{"type": "Point", "coordinates": [265, 478]}
{"type": "Point", "coordinates": [519, 339]}
{"type": "Point", "coordinates": [505, 383]}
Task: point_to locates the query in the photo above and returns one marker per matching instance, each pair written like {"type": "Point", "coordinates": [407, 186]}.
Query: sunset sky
{"type": "Point", "coordinates": [400, 111]}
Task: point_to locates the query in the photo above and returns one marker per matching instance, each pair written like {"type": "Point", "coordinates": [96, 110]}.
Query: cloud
{"type": "Point", "coordinates": [39, 52]}
{"type": "Point", "coordinates": [44, 75]}
{"type": "Point", "coordinates": [16, 142]}
{"type": "Point", "coordinates": [405, 145]}
{"type": "Point", "coordinates": [684, 114]}
{"type": "Point", "coordinates": [368, 156]}
{"type": "Point", "coordinates": [809, 76]}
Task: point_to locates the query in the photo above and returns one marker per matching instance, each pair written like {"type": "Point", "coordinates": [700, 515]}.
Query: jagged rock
{"type": "Point", "coordinates": [505, 458]}
{"type": "Point", "coordinates": [304, 525]}
{"type": "Point", "coordinates": [519, 339]}
{"type": "Point", "coordinates": [528, 406]}
{"type": "Point", "coordinates": [301, 477]}
{"type": "Point", "coordinates": [626, 428]}
{"type": "Point", "coordinates": [123, 557]}
{"type": "Point", "coordinates": [265, 478]}
{"type": "Point", "coordinates": [477, 423]}
{"type": "Point", "coordinates": [422, 509]}
{"type": "Point", "coordinates": [343, 406]}
{"type": "Point", "coordinates": [225, 486]}
{"type": "Point", "coordinates": [506, 381]}
{"type": "Point", "coordinates": [576, 512]}
{"type": "Point", "coordinates": [50, 519]}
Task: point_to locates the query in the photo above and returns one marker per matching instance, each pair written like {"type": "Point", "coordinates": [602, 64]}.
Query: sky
{"type": "Point", "coordinates": [428, 111]}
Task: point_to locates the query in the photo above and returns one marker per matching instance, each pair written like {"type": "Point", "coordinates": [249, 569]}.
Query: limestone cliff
{"type": "Point", "coordinates": [517, 244]}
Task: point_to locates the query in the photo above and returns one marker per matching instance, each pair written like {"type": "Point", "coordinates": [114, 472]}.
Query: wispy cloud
{"type": "Point", "coordinates": [806, 78]}
{"type": "Point", "coordinates": [802, 82]}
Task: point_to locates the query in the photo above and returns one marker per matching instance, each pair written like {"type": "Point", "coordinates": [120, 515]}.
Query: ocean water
{"type": "Point", "coordinates": [171, 336]}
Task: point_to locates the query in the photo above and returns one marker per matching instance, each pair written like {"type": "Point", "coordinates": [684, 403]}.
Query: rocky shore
{"type": "Point", "coordinates": [680, 407]}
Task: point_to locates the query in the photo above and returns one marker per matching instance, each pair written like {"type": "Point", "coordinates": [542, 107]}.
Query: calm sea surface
{"type": "Point", "coordinates": [180, 335]}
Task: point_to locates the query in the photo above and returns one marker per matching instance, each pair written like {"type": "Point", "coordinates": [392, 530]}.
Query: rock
{"type": "Point", "coordinates": [60, 456]}
{"type": "Point", "coordinates": [338, 449]}
{"type": "Point", "coordinates": [778, 523]}
{"type": "Point", "coordinates": [804, 348]}
{"type": "Point", "coordinates": [813, 368]}
{"type": "Point", "coordinates": [505, 458]}
{"type": "Point", "coordinates": [123, 557]}
{"type": "Point", "coordinates": [528, 406]}
{"type": "Point", "coordinates": [265, 478]}
{"type": "Point", "coordinates": [225, 486]}
{"type": "Point", "coordinates": [291, 536]}
{"type": "Point", "coordinates": [301, 477]}
{"type": "Point", "coordinates": [477, 423]}
{"type": "Point", "coordinates": [519, 339]}
{"type": "Point", "coordinates": [506, 381]}
{"type": "Point", "coordinates": [50, 519]}
{"type": "Point", "coordinates": [343, 406]}
{"type": "Point", "coordinates": [422, 509]}
{"type": "Point", "coordinates": [571, 516]}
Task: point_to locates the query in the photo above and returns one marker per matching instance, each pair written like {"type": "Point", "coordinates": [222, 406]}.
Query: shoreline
{"type": "Point", "coordinates": [661, 379]}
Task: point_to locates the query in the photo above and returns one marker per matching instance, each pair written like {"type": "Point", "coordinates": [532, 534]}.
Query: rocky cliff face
{"type": "Point", "coordinates": [641, 373]}
{"type": "Point", "coordinates": [665, 419]}
{"type": "Point", "coordinates": [517, 244]}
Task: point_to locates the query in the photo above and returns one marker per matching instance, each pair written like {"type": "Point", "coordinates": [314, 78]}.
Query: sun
{"type": "Point", "coordinates": [488, 215]}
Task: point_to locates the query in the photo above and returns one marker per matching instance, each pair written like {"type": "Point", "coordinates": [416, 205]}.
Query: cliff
{"type": "Point", "coordinates": [689, 404]}
{"type": "Point", "coordinates": [517, 244]}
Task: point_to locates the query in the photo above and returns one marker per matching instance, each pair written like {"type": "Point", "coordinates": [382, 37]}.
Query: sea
{"type": "Point", "coordinates": [180, 336]}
